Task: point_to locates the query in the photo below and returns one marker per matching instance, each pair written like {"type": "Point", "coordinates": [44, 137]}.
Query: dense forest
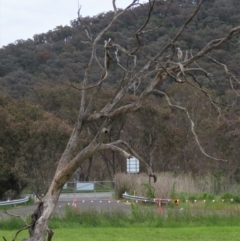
{"type": "Point", "coordinates": [40, 79]}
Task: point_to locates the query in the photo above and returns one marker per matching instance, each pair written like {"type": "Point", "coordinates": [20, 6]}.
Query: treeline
{"type": "Point", "coordinates": [33, 136]}
{"type": "Point", "coordinates": [40, 82]}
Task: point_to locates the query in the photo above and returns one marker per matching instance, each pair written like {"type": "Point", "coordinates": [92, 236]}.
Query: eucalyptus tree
{"type": "Point", "coordinates": [142, 75]}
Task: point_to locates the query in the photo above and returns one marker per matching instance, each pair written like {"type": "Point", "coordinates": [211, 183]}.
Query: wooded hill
{"type": "Point", "coordinates": [39, 81]}
{"type": "Point", "coordinates": [61, 55]}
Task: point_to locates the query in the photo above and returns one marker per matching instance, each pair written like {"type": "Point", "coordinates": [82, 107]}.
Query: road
{"type": "Point", "coordinates": [85, 201]}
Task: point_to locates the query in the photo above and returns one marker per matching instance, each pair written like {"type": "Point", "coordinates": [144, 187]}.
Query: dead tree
{"type": "Point", "coordinates": [155, 71]}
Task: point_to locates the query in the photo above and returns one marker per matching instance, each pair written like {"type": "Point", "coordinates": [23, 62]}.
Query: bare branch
{"type": "Point", "coordinates": [27, 226]}
{"type": "Point", "coordinates": [140, 30]}
{"type": "Point", "coordinates": [133, 153]}
{"type": "Point", "coordinates": [113, 146]}
{"type": "Point", "coordinates": [231, 76]}
{"type": "Point", "coordinates": [183, 70]}
{"type": "Point", "coordinates": [151, 5]}
{"type": "Point", "coordinates": [104, 74]}
{"type": "Point", "coordinates": [118, 61]}
{"type": "Point", "coordinates": [20, 230]}
{"type": "Point", "coordinates": [180, 31]}
{"type": "Point", "coordinates": [50, 234]}
{"type": "Point", "coordinates": [120, 48]}
{"type": "Point", "coordinates": [160, 77]}
{"type": "Point", "coordinates": [191, 122]}
{"type": "Point", "coordinates": [16, 216]}
{"type": "Point", "coordinates": [209, 97]}
{"type": "Point", "coordinates": [198, 69]}
{"type": "Point", "coordinates": [165, 68]}
{"type": "Point", "coordinates": [87, 29]}
{"type": "Point", "coordinates": [93, 57]}
{"type": "Point", "coordinates": [213, 45]}
{"type": "Point", "coordinates": [156, 28]}
{"type": "Point", "coordinates": [208, 75]}
{"type": "Point", "coordinates": [114, 6]}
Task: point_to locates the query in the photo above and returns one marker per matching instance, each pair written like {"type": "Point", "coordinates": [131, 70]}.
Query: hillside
{"type": "Point", "coordinates": [61, 55]}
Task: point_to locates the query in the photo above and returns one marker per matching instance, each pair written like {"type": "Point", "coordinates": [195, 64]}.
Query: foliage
{"type": "Point", "coordinates": [205, 196]}
{"type": "Point", "coordinates": [173, 192]}
{"type": "Point", "coordinates": [183, 186]}
{"type": "Point", "coordinates": [11, 223]}
{"type": "Point", "coordinates": [31, 142]}
{"type": "Point", "coordinates": [230, 196]}
{"type": "Point", "coordinates": [149, 190]}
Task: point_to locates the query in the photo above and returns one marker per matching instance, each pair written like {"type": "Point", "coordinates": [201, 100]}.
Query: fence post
{"type": "Point", "coordinates": [160, 205]}
{"type": "Point", "coordinates": [74, 187]}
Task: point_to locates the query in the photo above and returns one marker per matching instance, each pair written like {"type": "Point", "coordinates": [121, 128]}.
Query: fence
{"type": "Point", "coordinates": [92, 186]}
{"type": "Point", "coordinates": [73, 187]}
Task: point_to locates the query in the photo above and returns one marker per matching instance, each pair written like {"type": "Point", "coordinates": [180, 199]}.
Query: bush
{"type": "Point", "coordinates": [149, 190]}
{"type": "Point", "coordinates": [169, 185]}
{"type": "Point", "coordinates": [229, 196]}
{"type": "Point", "coordinates": [205, 196]}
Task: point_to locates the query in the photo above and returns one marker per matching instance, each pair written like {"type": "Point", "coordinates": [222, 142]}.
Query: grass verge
{"type": "Point", "coordinates": [136, 234]}
{"type": "Point", "coordinates": [141, 216]}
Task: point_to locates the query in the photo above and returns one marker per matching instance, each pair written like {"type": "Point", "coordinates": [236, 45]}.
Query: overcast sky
{"type": "Point", "coordinates": [21, 19]}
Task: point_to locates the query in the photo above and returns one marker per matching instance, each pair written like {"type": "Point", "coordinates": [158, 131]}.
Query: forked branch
{"type": "Point", "coordinates": [231, 76]}
{"type": "Point", "coordinates": [27, 226]}
{"type": "Point", "coordinates": [114, 146]}
{"type": "Point", "coordinates": [16, 216]}
{"type": "Point", "coordinates": [191, 123]}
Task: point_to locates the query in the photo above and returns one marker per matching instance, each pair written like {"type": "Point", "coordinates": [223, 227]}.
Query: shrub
{"type": "Point", "coordinates": [228, 196]}
{"type": "Point", "coordinates": [170, 185]}
{"type": "Point", "coordinates": [205, 196]}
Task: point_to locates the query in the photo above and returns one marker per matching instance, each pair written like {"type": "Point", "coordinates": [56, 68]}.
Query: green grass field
{"type": "Point", "coordinates": [141, 234]}
{"type": "Point", "coordinates": [197, 222]}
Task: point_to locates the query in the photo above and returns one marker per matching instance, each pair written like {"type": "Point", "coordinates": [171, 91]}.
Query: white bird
{"type": "Point", "coordinates": [179, 54]}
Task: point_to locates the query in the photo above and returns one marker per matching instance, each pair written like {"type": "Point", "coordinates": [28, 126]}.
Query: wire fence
{"type": "Point", "coordinates": [91, 186]}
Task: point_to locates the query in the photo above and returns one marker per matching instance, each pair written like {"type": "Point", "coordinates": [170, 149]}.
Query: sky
{"type": "Point", "coordinates": [22, 19]}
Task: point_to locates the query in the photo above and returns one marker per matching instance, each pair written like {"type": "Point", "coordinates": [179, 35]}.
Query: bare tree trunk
{"type": "Point", "coordinates": [42, 214]}
{"type": "Point", "coordinates": [89, 168]}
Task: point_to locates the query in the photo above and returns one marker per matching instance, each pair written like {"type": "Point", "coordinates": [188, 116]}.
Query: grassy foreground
{"type": "Point", "coordinates": [141, 234]}
{"type": "Point", "coordinates": [196, 222]}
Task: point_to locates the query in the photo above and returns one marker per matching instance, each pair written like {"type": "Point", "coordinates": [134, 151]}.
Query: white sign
{"type": "Point", "coordinates": [85, 186]}
{"type": "Point", "coordinates": [132, 165]}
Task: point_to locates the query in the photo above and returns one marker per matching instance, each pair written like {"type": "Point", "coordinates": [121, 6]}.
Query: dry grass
{"type": "Point", "coordinates": [169, 184]}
